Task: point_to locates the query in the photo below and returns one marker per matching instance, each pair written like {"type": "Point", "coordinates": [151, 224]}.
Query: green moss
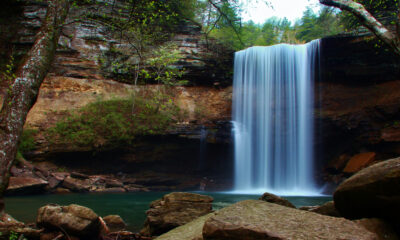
{"type": "Point", "coordinates": [116, 122]}
{"type": "Point", "coordinates": [27, 141]}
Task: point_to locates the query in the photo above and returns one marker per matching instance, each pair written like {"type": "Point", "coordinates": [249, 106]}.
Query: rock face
{"type": "Point", "coordinates": [173, 210]}
{"type": "Point", "coordinates": [372, 192]}
{"type": "Point", "coordinates": [74, 219]}
{"type": "Point", "coordinates": [25, 185]}
{"type": "Point", "coordinates": [254, 219]}
{"type": "Point", "coordinates": [269, 197]}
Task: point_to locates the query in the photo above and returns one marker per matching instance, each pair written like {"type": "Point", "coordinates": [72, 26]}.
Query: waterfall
{"type": "Point", "coordinates": [273, 100]}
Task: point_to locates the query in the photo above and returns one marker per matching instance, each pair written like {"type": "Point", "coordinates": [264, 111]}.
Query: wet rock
{"type": "Point", "coordinates": [73, 219]}
{"type": "Point", "coordinates": [254, 219]}
{"type": "Point", "coordinates": [359, 161]}
{"type": "Point", "coordinates": [114, 223]}
{"type": "Point", "coordinates": [136, 189]}
{"type": "Point", "coordinates": [76, 185]}
{"type": "Point", "coordinates": [173, 210]}
{"type": "Point", "coordinates": [25, 185]}
{"type": "Point", "coordinates": [327, 209]}
{"type": "Point", "coordinates": [110, 190]}
{"type": "Point", "coordinates": [372, 192]}
{"type": "Point", "coordinates": [269, 197]}
{"type": "Point", "coordinates": [61, 190]}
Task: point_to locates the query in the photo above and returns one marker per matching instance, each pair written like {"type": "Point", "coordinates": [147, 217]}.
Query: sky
{"type": "Point", "coordinates": [258, 11]}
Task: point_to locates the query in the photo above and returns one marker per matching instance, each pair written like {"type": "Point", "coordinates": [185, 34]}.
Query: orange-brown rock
{"type": "Point", "coordinates": [254, 220]}
{"type": "Point", "coordinates": [372, 192]}
{"type": "Point", "coordinates": [359, 161]}
{"type": "Point", "coordinates": [173, 210]}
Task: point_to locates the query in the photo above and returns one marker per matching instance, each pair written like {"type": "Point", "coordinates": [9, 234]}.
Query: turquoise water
{"type": "Point", "coordinates": [130, 206]}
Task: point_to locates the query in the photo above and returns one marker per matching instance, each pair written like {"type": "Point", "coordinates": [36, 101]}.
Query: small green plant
{"type": "Point", "coordinates": [161, 66]}
{"type": "Point", "coordinates": [27, 141]}
{"type": "Point", "coordinates": [15, 236]}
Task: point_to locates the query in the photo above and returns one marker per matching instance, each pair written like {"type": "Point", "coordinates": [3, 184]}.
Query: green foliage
{"type": "Point", "coordinates": [274, 30]}
{"type": "Point", "coordinates": [161, 68]}
{"type": "Point", "coordinates": [27, 141]}
{"type": "Point", "coordinates": [15, 236]}
{"type": "Point", "coordinates": [115, 122]}
{"type": "Point", "coordinates": [384, 10]}
{"type": "Point", "coordinates": [313, 26]}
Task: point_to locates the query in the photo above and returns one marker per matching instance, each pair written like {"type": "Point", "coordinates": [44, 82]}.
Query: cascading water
{"type": "Point", "coordinates": [272, 119]}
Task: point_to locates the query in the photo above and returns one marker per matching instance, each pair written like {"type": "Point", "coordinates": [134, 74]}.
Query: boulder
{"type": "Point", "coordinates": [269, 197]}
{"type": "Point", "coordinates": [114, 223]}
{"type": "Point", "coordinates": [253, 219]}
{"type": "Point", "coordinates": [76, 185]}
{"type": "Point", "coordinates": [327, 209]}
{"type": "Point", "coordinates": [381, 228]}
{"type": "Point", "coordinates": [173, 210]}
{"type": "Point", "coordinates": [359, 161]}
{"type": "Point", "coordinates": [73, 219]}
{"type": "Point", "coordinates": [372, 192]}
{"type": "Point", "coordinates": [25, 185]}
{"type": "Point", "coordinates": [190, 231]}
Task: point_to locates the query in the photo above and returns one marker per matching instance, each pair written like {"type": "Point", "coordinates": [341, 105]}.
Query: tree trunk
{"type": "Point", "coordinates": [368, 21]}
{"type": "Point", "coordinates": [22, 94]}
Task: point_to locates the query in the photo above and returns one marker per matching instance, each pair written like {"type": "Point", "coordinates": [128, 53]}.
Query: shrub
{"type": "Point", "coordinates": [117, 121]}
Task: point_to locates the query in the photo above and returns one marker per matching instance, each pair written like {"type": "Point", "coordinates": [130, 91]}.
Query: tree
{"type": "Point", "coordinates": [382, 32]}
{"type": "Point", "coordinates": [23, 92]}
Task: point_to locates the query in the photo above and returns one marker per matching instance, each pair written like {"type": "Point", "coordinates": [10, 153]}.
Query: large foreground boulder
{"type": "Point", "coordinates": [372, 192]}
{"type": "Point", "coordinates": [75, 220]}
{"type": "Point", "coordinates": [253, 219]}
{"type": "Point", "coordinates": [190, 231]}
{"type": "Point", "coordinates": [173, 210]}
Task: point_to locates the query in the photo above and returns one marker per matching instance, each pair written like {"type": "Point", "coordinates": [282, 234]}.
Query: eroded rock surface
{"type": "Point", "coordinates": [254, 219]}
